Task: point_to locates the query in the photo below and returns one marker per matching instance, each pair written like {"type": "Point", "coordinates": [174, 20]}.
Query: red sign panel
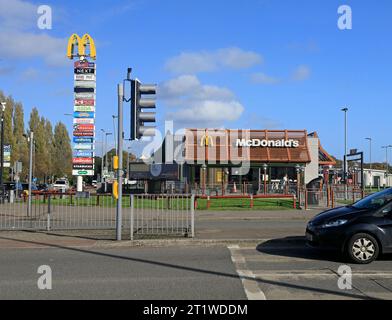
{"type": "Point", "coordinates": [83, 133]}
{"type": "Point", "coordinates": [84, 127]}
{"type": "Point", "coordinates": [84, 102]}
{"type": "Point", "coordinates": [83, 161]}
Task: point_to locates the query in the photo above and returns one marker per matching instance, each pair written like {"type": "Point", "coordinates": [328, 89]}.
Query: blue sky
{"type": "Point", "coordinates": [254, 64]}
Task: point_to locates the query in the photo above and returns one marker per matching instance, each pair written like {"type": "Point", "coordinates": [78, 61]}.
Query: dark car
{"type": "Point", "coordinates": [362, 231]}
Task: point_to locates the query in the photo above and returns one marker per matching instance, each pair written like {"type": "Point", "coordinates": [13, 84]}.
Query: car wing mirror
{"type": "Point", "coordinates": [387, 212]}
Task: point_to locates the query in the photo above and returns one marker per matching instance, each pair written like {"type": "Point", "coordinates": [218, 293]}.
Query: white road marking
{"type": "Point", "coordinates": [248, 279]}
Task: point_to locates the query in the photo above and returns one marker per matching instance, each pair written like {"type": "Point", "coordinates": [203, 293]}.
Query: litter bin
{"type": "Point", "coordinates": [313, 187]}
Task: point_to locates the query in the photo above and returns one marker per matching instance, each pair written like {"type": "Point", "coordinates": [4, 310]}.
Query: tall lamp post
{"type": "Point", "coordinates": [370, 160]}
{"type": "Point", "coordinates": [386, 164]}
{"type": "Point", "coordinates": [345, 110]}
{"type": "Point", "coordinates": [3, 105]}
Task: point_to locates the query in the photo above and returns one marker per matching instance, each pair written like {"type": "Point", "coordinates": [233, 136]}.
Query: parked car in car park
{"type": "Point", "coordinates": [362, 231]}
{"type": "Point", "coordinates": [61, 185]}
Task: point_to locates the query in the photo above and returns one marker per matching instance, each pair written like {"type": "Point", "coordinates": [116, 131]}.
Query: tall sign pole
{"type": "Point", "coordinates": [84, 106]}
{"type": "Point", "coordinates": [119, 166]}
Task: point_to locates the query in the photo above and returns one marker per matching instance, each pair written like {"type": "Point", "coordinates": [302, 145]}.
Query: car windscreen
{"type": "Point", "coordinates": [374, 201]}
{"type": "Point", "coordinates": [59, 182]}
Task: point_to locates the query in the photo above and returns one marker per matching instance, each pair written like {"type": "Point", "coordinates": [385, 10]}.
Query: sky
{"type": "Point", "coordinates": [254, 64]}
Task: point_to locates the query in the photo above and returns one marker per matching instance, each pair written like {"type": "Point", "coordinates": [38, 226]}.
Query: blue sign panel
{"type": "Point", "coordinates": [83, 140]}
{"type": "Point", "coordinates": [83, 154]}
{"type": "Point", "coordinates": [80, 114]}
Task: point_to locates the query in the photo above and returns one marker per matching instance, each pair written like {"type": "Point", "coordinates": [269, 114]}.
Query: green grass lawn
{"type": "Point", "coordinates": [174, 204]}
{"type": "Point", "coordinates": [244, 204]}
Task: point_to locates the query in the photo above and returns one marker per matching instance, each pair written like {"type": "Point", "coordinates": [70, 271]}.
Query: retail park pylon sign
{"type": "Point", "coordinates": [84, 104]}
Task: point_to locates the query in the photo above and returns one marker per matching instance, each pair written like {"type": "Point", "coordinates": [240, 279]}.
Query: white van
{"type": "Point", "coordinates": [61, 185]}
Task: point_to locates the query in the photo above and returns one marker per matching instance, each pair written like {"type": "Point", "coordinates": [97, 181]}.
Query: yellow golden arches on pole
{"type": "Point", "coordinates": [87, 41]}
{"type": "Point", "coordinates": [82, 43]}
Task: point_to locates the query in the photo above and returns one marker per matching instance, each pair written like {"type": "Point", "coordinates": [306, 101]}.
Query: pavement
{"type": "Point", "coordinates": [235, 255]}
{"type": "Point", "coordinates": [211, 227]}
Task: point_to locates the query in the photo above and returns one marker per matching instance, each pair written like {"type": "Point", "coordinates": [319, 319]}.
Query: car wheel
{"type": "Point", "coordinates": [363, 248]}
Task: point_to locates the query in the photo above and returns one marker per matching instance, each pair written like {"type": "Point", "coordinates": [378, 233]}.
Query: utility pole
{"type": "Point", "coordinates": [31, 140]}
{"type": "Point", "coordinates": [370, 160]}
{"type": "Point", "coordinates": [120, 134]}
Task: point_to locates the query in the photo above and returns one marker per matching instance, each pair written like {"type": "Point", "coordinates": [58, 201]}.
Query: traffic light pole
{"type": "Point", "coordinates": [120, 135]}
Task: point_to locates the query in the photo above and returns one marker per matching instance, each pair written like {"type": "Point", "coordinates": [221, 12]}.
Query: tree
{"type": "Point", "coordinates": [50, 146]}
{"type": "Point", "coordinates": [20, 151]}
{"type": "Point", "coordinates": [62, 151]}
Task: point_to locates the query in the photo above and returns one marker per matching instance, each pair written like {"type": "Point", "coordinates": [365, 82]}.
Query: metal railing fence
{"type": "Point", "coordinates": [143, 215]}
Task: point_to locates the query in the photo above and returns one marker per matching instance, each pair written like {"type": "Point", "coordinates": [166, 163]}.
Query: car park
{"type": "Point", "coordinates": [362, 231]}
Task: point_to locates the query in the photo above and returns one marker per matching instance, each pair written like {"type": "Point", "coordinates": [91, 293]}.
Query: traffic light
{"type": "Point", "coordinates": [139, 102]}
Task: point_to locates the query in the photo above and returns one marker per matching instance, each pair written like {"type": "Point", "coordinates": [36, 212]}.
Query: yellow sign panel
{"type": "Point", "coordinates": [82, 44]}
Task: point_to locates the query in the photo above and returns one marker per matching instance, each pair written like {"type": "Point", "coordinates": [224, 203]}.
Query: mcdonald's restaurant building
{"type": "Point", "coordinates": [211, 157]}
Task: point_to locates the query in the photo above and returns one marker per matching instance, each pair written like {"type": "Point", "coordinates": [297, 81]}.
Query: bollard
{"type": "Point", "coordinates": [251, 201]}
{"type": "Point", "coordinates": [294, 202]}
{"type": "Point", "coordinates": [208, 202]}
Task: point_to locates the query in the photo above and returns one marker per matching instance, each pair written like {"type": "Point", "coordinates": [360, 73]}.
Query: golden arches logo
{"type": "Point", "coordinates": [206, 141]}
{"type": "Point", "coordinates": [82, 44]}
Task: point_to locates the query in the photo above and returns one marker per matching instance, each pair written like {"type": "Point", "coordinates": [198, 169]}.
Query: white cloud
{"type": "Point", "coordinates": [301, 73]}
{"type": "Point", "coordinates": [208, 61]}
{"type": "Point", "coordinates": [191, 103]}
{"type": "Point", "coordinates": [21, 38]}
{"type": "Point", "coordinates": [263, 78]}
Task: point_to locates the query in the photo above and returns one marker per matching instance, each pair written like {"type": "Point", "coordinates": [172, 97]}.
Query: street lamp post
{"type": "Point", "coordinates": [129, 149]}
{"type": "Point", "coordinates": [3, 105]}
{"type": "Point", "coordinates": [114, 132]}
{"type": "Point", "coordinates": [345, 110]}
{"type": "Point", "coordinates": [386, 164]}
{"type": "Point", "coordinates": [370, 160]}
{"type": "Point", "coordinates": [103, 153]}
